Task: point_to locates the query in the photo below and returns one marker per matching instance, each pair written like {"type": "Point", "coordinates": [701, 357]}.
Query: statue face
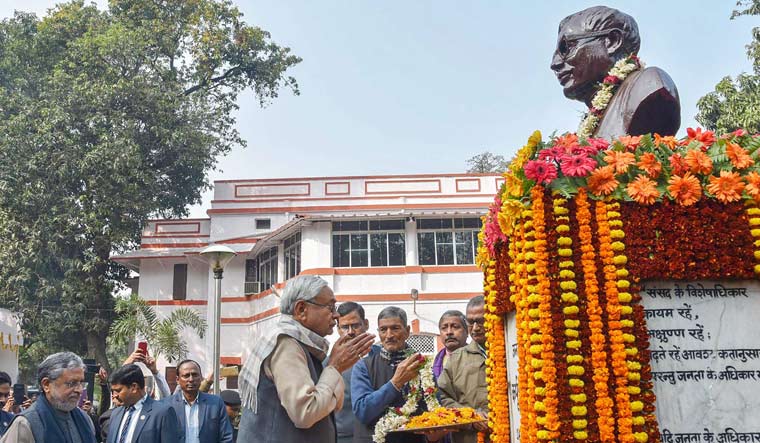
{"type": "Point", "coordinates": [580, 60]}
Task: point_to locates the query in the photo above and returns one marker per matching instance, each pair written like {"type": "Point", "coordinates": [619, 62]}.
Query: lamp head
{"type": "Point", "coordinates": [218, 256]}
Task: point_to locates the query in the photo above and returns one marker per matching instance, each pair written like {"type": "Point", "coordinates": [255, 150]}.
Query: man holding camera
{"type": "Point", "coordinates": [5, 391]}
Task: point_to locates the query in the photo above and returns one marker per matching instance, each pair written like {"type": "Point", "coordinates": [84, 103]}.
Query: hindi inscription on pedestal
{"type": "Point", "coordinates": [705, 345]}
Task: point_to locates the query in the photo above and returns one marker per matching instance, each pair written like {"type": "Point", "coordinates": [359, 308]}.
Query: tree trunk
{"type": "Point", "coordinates": [96, 348]}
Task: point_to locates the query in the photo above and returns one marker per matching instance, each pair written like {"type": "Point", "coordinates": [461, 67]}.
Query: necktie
{"type": "Point", "coordinates": [125, 430]}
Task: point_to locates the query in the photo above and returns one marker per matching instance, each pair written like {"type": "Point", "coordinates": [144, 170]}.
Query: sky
{"type": "Point", "coordinates": [408, 87]}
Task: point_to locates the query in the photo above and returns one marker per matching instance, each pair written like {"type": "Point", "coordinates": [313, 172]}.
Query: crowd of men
{"type": "Point", "coordinates": [292, 389]}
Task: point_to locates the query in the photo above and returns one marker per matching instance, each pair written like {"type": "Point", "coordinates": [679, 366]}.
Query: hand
{"type": "Point", "coordinates": [27, 403]}
{"type": "Point", "coordinates": [136, 356]}
{"type": "Point", "coordinates": [480, 426]}
{"type": "Point", "coordinates": [347, 351]}
{"type": "Point", "coordinates": [407, 370]}
{"type": "Point", "coordinates": [103, 375]}
{"type": "Point", "coordinates": [86, 406]}
{"type": "Point", "coordinates": [433, 436]}
{"type": "Point", "coordinates": [8, 404]}
{"type": "Point", "coordinates": [150, 362]}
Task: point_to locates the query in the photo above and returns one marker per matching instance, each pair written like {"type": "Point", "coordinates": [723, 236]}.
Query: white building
{"type": "Point", "coordinates": [376, 240]}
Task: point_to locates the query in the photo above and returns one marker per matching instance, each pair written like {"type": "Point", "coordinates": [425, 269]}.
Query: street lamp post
{"type": "Point", "coordinates": [217, 257]}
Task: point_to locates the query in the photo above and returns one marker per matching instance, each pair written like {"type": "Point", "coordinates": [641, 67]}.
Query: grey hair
{"type": "Point", "coordinates": [303, 287]}
{"type": "Point", "coordinates": [454, 313]}
{"type": "Point", "coordinates": [392, 312]}
{"type": "Point", "coordinates": [54, 365]}
{"type": "Point", "coordinates": [601, 18]}
{"type": "Point", "coordinates": [476, 301]}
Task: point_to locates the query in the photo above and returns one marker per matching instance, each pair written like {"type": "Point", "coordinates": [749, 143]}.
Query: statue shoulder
{"type": "Point", "coordinates": [647, 101]}
{"type": "Point", "coordinates": [651, 80]}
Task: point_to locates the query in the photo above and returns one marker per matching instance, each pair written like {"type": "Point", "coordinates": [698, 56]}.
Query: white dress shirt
{"type": "Point", "coordinates": [133, 422]}
{"type": "Point", "coordinates": [192, 420]}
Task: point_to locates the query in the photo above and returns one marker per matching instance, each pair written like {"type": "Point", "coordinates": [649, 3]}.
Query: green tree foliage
{"type": "Point", "coordinates": [735, 103]}
{"type": "Point", "coordinates": [486, 162]}
{"type": "Point", "coordinates": [135, 317]}
{"type": "Point", "coordinates": [108, 118]}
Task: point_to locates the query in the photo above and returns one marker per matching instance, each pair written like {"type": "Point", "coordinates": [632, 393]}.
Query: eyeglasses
{"type": "Point", "coordinates": [354, 326]}
{"type": "Point", "coordinates": [568, 45]}
{"type": "Point", "coordinates": [478, 321]}
{"type": "Point", "coordinates": [332, 308]}
{"type": "Point", "coordinates": [75, 384]}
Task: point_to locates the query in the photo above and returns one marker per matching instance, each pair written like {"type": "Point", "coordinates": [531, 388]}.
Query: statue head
{"type": "Point", "coordinates": [589, 42]}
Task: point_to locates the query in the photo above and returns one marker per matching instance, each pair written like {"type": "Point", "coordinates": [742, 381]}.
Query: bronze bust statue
{"type": "Point", "coordinates": [588, 45]}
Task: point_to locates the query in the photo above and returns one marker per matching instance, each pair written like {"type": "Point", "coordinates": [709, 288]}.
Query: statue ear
{"type": "Point", "coordinates": [614, 41]}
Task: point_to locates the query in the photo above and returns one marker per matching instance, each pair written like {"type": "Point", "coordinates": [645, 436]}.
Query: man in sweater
{"type": "Point", "coordinates": [463, 380]}
{"type": "Point", "coordinates": [287, 394]}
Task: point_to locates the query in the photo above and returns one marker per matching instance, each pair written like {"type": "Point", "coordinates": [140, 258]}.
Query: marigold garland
{"type": "Point", "coordinates": [574, 357]}
{"type": "Point", "coordinates": [548, 422]}
{"type": "Point", "coordinates": [583, 358]}
{"type": "Point", "coordinates": [603, 403]}
{"type": "Point", "coordinates": [616, 291]}
{"type": "Point", "coordinates": [496, 370]}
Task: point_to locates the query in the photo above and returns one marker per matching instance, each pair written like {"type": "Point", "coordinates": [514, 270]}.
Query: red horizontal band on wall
{"type": "Point", "coordinates": [230, 360]}
{"type": "Point", "coordinates": [178, 302]}
{"type": "Point", "coordinates": [393, 270]}
{"type": "Point", "coordinates": [253, 318]}
{"type": "Point", "coordinates": [172, 245]}
{"type": "Point", "coordinates": [306, 209]}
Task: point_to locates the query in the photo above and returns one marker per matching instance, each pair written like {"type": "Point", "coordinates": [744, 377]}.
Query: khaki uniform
{"type": "Point", "coordinates": [463, 384]}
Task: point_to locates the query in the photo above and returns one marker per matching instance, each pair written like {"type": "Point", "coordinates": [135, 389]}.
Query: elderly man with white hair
{"type": "Point", "coordinates": [286, 394]}
{"type": "Point", "coordinates": [54, 417]}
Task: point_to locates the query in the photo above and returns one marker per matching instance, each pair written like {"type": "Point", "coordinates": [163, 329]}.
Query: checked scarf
{"type": "Point", "coordinates": [249, 376]}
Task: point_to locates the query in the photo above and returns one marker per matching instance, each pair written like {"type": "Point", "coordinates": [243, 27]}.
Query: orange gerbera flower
{"type": "Point", "coordinates": [699, 162]}
{"type": "Point", "coordinates": [631, 142]}
{"type": "Point", "coordinates": [738, 156]}
{"type": "Point", "coordinates": [643, 190]}
{"type": "Point", "coordinates": [649, 164]}
{"type": "Point", "coordinates": [685, 190]}
{"type": "Point", "coordinates": [753, 185]}
{"type": "Point", "coordinates": [678, 164]}
{"type": "Point", "coordinates": [602, 180]}
{"type": "Point", "coordinates": [620, 160]}
{"type": "Point", "coordinates": [668, 140]}
{"type": "Point", "coordinates": [726, 188]}
{"type": "Point", "coordinates": [568, 139]}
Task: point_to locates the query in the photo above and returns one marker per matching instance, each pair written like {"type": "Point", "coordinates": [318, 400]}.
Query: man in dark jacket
{"type": "Point", "coordinates": [202, 416]}
{"type": "Point", "coordinates": [55, 415]}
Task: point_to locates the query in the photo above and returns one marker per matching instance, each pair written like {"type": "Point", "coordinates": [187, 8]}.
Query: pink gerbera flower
{"type": "Point", "coordinates": [577, 165]}
{"type": "Point", "coordinates": [540, 171]}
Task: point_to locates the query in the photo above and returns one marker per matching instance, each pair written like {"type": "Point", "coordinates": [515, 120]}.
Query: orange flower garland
{"type": "Point", "coordinates": [496, 370]}
{"type": "Point", "coordinates": [570, 311]}
{"type": "Point", "coordinates": [546, 403]}
{"type": "Point", "coordinates": [616, 291]}
{"type": "Point", "coordinates": [603, 403]}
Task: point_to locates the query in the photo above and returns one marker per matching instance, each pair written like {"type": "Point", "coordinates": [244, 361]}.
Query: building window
{"type": "Point", "coordinates": [261, 272]}
{"type": "Point", "coordinates": [368, 243]}
{"type": "Point", "coordinates": [292, 256]}
{"type": "Point", "coordinates": [179, 284]}
{"type": "Point", "coordinates": [447, 241]}
{"type": "Point", "coordinates": [263, 223]}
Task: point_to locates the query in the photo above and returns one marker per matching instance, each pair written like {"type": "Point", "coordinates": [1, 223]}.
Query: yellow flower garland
{"type": "Point", "coordinates": [753, 216]}
{"type": "Point", "coordinates": [548, 423]}
{"type": "Point", "coordinates": [570, 310]}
